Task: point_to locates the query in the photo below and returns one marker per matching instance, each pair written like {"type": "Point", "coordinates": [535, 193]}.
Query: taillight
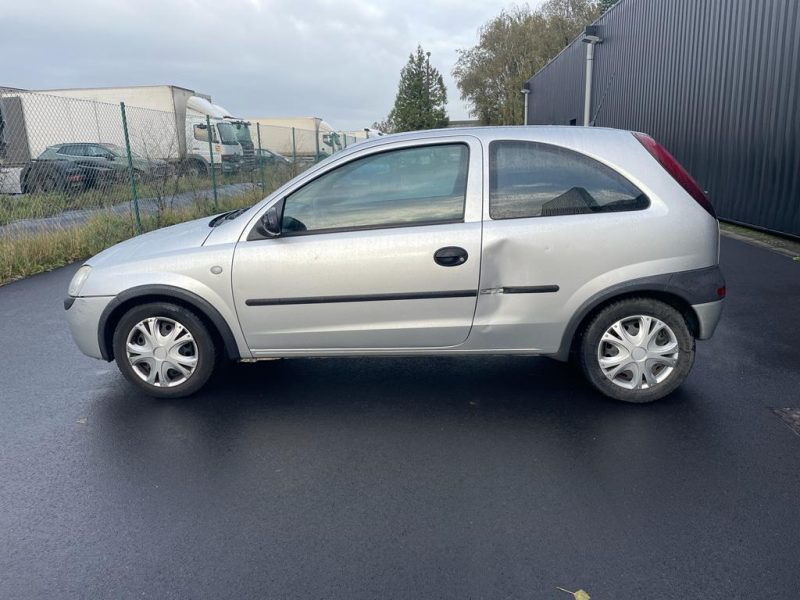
{"type": "Point", "coordinates": [678, 173]}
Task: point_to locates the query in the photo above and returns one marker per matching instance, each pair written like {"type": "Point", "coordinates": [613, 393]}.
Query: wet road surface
{"type": "Point", "coordinates": [403, 478]}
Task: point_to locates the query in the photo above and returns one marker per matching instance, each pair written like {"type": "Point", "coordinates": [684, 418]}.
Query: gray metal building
{"type": "Point", "coordinates": [717, 82]}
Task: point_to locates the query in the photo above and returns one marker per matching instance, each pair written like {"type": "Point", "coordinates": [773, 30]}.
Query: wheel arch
{"type": "Point", "coordinates": [195, 159]}
{"type": "Point", "coordinates": [126, 300]}
{"type": "Point", "coordinates": [578, 323]}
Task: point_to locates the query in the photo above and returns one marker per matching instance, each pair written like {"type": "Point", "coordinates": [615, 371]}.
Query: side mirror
{"type": "Point", "coordinates": [270, 223]}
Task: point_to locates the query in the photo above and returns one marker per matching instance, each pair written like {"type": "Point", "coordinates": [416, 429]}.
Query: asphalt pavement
{"type": "Point", "coordinates": [495, 478]}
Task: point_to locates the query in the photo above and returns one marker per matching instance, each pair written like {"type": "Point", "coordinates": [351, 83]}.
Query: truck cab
{"type": "Point", "coordinates": [245, 139]}
{"type": "Point", "coordinates": [227, 151]}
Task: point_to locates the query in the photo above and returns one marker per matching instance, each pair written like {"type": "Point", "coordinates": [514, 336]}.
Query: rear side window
{"type": "Point", "coordinates": [71, 150]}
{"type": "Point", "coordinates": [531, 179]}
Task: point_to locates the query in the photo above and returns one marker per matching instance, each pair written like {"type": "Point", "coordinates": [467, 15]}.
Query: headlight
{"type": "Point", "coordinates": [78, 280]}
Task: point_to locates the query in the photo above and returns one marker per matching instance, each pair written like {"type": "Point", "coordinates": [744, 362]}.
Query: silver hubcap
{"type": "Point", "coordinates": [161, 351]}
{"type": "Point", "coordinates": [638, 352]}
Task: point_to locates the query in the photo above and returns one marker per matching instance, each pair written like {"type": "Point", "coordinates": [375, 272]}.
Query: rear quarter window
{"type": "Point", "coordinates": [532, 179]}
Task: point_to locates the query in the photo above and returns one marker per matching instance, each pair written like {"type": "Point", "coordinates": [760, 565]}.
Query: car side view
{"type": "Point", "coordinates": [108, 162]}
{"type": "Point", "coordinates": [566, 242]}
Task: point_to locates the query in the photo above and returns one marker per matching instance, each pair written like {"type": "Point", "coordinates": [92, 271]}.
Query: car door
{"type": "Point", "coordinates": [379, 251]}
{"type": "Point", "coordinates": [556, 230]}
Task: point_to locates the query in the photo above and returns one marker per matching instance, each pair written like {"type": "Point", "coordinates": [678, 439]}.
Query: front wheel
{"type": "Point", "coordinates": [637, 350]}
{"type": "Point", "coordinates": [164, 349]}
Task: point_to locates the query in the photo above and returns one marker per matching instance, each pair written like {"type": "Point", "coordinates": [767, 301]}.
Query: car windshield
{"type": "Point", "coordinates": [242, 132]}
{"type": "Point", "coordinates": [226, 133]}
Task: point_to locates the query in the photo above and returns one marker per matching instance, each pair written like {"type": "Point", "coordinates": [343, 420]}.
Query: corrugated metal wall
{"type": "Point", "coordinates": [717, 82]}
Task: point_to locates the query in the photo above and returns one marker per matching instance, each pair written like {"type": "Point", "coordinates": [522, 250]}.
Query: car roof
{"type": "Point", "coordinates": [549, 133]}
{"type": "Point", "coordinates": [495, 131]}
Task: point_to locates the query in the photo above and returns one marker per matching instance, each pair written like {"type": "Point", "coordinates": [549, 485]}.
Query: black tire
{"type": "Point", "coordinates": [589, 349]}
{"type": "Point", "coordinates": [204, 349]}
{"type": "Point", "coordinates": [194, 168]}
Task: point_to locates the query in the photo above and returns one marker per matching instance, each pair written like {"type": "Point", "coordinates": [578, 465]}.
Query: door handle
{"type": "Point", "coordinates": [450, 256]}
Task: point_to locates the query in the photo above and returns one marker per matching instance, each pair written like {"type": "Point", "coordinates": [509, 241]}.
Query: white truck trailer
{"type": "Point", "coordinates": [302, 137]}
{"type": "Point", "coordinates": [164, 122]}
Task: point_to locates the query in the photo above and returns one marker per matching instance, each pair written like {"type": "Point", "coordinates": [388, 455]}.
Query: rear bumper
{"type": "Point", "coordinates": [708, 316]}
{"type": "Point", "coordinates": [83, 316]}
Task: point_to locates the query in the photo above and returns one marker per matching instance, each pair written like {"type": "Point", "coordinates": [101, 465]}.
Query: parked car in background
{"type": "Point", "coordinates": [108, 156]}
{"type": "Point", "coordinates": [176, 121]}
{"type": "Point", "coordinates": [45, 176]}
{"type": "Point", "coordinates": [555, 241]}
{"type": "Point", "coordinates": [269, 158]}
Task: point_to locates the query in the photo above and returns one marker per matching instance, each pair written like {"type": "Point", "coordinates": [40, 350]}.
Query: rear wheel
{"type": "Point", "coordinates": [194, 168]}
{"type": "Point", "coordinates": [637, 350]}
{"type": "Point", "coordinates": [164, 349]}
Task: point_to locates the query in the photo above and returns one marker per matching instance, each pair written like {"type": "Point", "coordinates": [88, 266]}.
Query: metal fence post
{"type": "Point", "coordinates": [294, 148]}
{"type": "Point", "coordinates": [260, 158]}
{"type": "Point", "coordinates": [137, 220]}
{"type": "Point", "coordinates": [211, 156]}
{"type": "Point", "coordinates": [316, 138]}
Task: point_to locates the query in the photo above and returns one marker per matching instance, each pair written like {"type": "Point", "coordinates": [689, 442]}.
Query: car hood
{"type": "Point", "coordinates": [168, 240]}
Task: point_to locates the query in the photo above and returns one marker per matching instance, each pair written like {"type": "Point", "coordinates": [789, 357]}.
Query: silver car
{"type": "Point", "coordinates": [541, 241]}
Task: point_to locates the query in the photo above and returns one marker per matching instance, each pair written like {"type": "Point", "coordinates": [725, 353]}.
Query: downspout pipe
{"type": "Point", "coordinates": [590, 38]}
{"type": "Point", "coordinates": [525, 93]}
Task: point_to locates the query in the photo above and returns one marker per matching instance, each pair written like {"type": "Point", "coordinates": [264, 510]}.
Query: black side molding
{"type": "Point", "coordinates": [531, 289]}
{"type": "Point", "coordinates": [361, 298]}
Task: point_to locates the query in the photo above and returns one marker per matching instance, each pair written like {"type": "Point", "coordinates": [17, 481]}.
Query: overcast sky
{"type": "Point", "coordinates": [337, 59]}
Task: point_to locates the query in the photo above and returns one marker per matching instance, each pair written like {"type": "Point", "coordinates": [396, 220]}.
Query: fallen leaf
{"type": "Point", "coordinates": [579, 595]}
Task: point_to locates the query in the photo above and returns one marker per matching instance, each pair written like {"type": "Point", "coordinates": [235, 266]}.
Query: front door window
{"type": "Point", "coordinates": [410, 186]}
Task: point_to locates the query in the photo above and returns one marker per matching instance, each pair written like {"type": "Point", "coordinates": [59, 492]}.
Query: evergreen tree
{"type": "Point", "coordinates": [421, 96]}
{"type": "Point", "coordinates": [511, 48]}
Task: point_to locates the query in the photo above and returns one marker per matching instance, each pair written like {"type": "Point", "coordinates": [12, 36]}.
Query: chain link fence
{"type": "Point", "coordinates": [78, 175]}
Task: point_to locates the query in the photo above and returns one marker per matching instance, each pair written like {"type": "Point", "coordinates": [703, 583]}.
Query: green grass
{"type": "Point", "coordinates": [783, 245]}
{"type": "Point", "coordinates": [26, 254]}
{"type": "Point", "coordinates": [38, 206]}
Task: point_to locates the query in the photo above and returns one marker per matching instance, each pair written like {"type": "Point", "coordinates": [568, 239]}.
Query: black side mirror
{"type": "Point", "coordinates": [270, 223]}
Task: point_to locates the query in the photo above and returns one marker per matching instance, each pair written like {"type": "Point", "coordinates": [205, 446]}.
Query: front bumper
{"type": "Point", "coordinates": [708, 316]}
{"type": "Point", "coordinates": [83, 316]}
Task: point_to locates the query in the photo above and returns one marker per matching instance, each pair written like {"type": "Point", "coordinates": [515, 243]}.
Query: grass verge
{"type": "Point", "coordinates": [163, 190]}
{"type": "Point", "coordinates": [785, 246]}
{"type": "Point", "coordinates": [26, 254]}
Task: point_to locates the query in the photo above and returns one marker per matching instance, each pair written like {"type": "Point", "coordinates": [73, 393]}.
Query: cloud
{"type": "Point", "coordinates": [337, 59]}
